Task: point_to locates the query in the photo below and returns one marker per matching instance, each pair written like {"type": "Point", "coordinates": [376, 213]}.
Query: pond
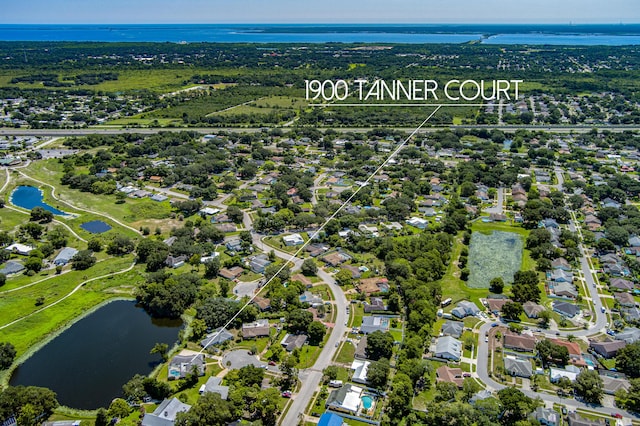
{"type": "Point", "coordinates": [29, 197]}
{"type": "Point", "coordinates": [96, 227]}
{"type": "Point", "coordinates": [88, 363]}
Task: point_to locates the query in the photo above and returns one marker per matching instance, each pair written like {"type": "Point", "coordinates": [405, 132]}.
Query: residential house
{"type": "Point", "coordinates": [259, 263]}
{"type": "Point", "coordinates": [418, 222]}
{"type": "Point", "coordinates": [165, 414]}
{"type": "Point", "coordinates": [575, 352]}
{"type": "Point", "coordinates": [175, 261]}
{"type": "Point", "coordinates": [607, 349]}
{"type": "Point", "coordinates": [182, 365]}
{"type": "Point", "coordinates": [355, 271]}
{"type": "Point", "coordinates": [465, 308]}
{"type": "Point", "coordinates": [548, 223]}
{"type": "Point", "coordinates": [480, 396]}
{"type": "Point", "coordinates": [561, 276]}
{"type": "Point", "coordinates": [518, 367]}
{"type": "Point", "coordinates": [452, 328]}
{"type": "Point", "coordinates": [231, 273]}
{"type": "Point", "coordinates": [302, 279]}
{"type": "Point", "coordinates": [258, 328]}
{"type": "Point", "coordinates": [629, 335]}
{"type": "Point", "coordinates": [336, 258]}
{"type": "Point", "coordinates": [372, 285]}
{"type": "Point", "coordinates": [293, 240]}
{"type": "Point", "coordinates": [570, 372]}
{"type": "Point", "coordinates": [263, 303]}
{"type": "Point", "coordinates": [519, 342]}
{"type": "Point", "coordinates": [219, 335]}
{"type": "Point", "coordinates": [498, 217]}
{"type": "Point", "coordinates": [611, 385]}
{"type": "Point", "coordinates": [625, 299]}
{"type": "Point", "coordinates": [574, 419]}
{"type": "Point", "coordinates": [361, 349]}
{"type": "Point", "coordinates": [374, 323]}
{"type": "Point", "coordinates": [234, 245]}
{"type": "Point", "coordinates": [448, 347]}
{"type": "Point", "coordinates": [450, 375]}
{"type": "Point", "coordinates": [347, 399]}
{"type": "Point", "coordinates": [18, 248]}
{"type": "Point", "coordinates": [214, 385]}
{"type": "Point", "coordinates": [330, 419]}
{"type": "Point", "coordinates": [631, 314]}
{"type": "Point", "coordinates": [310, 298]}
{"type": "Point", "coordinates": [566, 309]}
{"type": "Point", "coordinates": [546, 416]}
{"type": "Point", "coordinates": [360, 369]}
{"type": "Point", "coordinates": [620, 284]}
{"type": "Point", "coordinates": [227, 227]}
{"type": "Point", "coordinates": [532, 309]}
{"type": "Point", "coordinates": [12, 267]}
{"type": "Point", "coordinates": [292, 341]}
{"type": "Point", "coordinates": [376, 305]}
{"type": "Point", "coordinates": [495, 305]}
{"type": "Point", "coordinates": [65, 256]}
{"type": "Point", "coordinates": [565, 289]}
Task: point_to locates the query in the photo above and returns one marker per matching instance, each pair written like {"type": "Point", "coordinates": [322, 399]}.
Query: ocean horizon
{"type": "Point", "coordinates": [551, 34]}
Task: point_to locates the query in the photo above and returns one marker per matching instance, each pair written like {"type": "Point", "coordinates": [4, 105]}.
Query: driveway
{"type": "Point", "coordinates": [237, 359]}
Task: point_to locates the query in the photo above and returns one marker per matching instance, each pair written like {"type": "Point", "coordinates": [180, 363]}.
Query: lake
{"type": "Point", "coordinates": [88, 363]}
{"type": "Point", "coordinates": [29, 197]}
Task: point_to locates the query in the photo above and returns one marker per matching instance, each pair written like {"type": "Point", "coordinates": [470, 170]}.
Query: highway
{"type": "Point", "coordinates": [7, 131]}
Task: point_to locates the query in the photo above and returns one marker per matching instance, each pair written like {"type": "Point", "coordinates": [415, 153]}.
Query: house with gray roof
{"type": "Point", "coordinates": [546, 416]}
{"type": "Point", "coordinates": [532, 309]}
{"type": "Point", "coordinates": [561, 276]}
{"type": "Point", "coordinates": [565, 289]}
{"type": "Point", "coordinates": [452, 328]}
{"type": "Point", "coordinates": [374, 323]}
{"type": "Point", "coordinates": [65, 256]}
{"type": "Point", "coordinates": [611, 385]}
{"type": "Point", "coordinates": [631, 314]}
{"type": "Point", "coordinates": [625, 299]}
{"type": "Point", "coordinates": [292, 341]}
{"type": "Point", "coordinates": [465, 308]}
{"type": "Point", "coordinates": [166, 413]}
{"type": "Point", "coordinates": [182, 365]}
{"type": "Point", "coordinates": [448, 347]}
{"type": "Point", "coordinates": [629, 335]}
{"type": "Point", "coordinates": [621, 284]}
{"type": "Point", "coordinates": [566, 309]}
{"type": "Point", "coordinates": [480, 396]}
{"type": "Point", "coordinates": [258, 328]}
{"type": "Point", "coordinates": [219, 335]}
{"type": "Point", "coordinates": [12, 267]}
{"type": "Point", "coordinates": [518, 367]}
{"type": "Point", "coordinates": [214, 385]}
{"type": "Point", "coordinates": [607, 349]}
{"type": "Point", "coordinates": [574, 419]}
{"type": "Point", "coordinates": [259, 263]}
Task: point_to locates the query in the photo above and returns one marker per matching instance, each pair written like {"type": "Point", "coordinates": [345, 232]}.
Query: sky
{"type": "Point", "coordinates": [325, 11]}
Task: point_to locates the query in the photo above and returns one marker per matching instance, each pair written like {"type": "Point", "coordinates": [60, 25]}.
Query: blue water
{"type": "Point", "coordinates": [96, 227]}
{"type": "Point", "coordinates": [367, 402]}
{"type": "Point", "coordinates": [612, 35]}
{"type": "Point", "coordinates": [29, 197]}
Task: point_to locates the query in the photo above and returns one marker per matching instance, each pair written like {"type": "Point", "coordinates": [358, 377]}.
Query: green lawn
{"type": "Point", "coordinates": [346, 354]}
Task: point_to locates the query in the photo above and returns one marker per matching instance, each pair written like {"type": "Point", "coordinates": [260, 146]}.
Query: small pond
{"type": "Point", "coordinates": [96, 227]}
{"type": "Point", "coordinates": [29, 197]}
{"type": "Point", "coordinates": [88, 363]}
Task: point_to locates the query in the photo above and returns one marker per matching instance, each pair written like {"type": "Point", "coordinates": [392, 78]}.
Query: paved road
{"type": "Point", "coordinates": [207, 130]}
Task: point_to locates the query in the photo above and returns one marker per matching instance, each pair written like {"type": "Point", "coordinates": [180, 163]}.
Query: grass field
{"type": "Point", "coordinates": [498, 254]}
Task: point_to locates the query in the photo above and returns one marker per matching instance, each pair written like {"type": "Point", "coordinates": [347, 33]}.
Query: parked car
{"type": "Point", "coordinates": [272, 363]}
{"type": "Point", "coordinates": [286, 394]}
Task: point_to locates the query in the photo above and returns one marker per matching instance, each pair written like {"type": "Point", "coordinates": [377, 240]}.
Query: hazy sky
{"type": "Point", "coordinates": [325, 11]}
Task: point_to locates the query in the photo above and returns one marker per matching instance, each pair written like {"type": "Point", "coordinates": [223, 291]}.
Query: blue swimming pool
{"type": "Point", "coordinates": [96, 227]}
{"type": "Point", "coordinates": [29, 197]}
{"type": "Point", "coordinates": [367, 402]}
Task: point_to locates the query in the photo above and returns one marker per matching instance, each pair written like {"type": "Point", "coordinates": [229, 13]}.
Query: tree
{"type": "Point", "coordinates": [630, 400]}
{"type": "Point", "coordinates": [235, 214]}
{"type": "Point", "coordinates": [379, 345]}
{"type": "Point", "coordinates": [316, 331]}
{"type": "Point", "coordinates": [496, 285]}
{"type": "Point", "coordinates": [7, 355]}
{"type": "Point", "coordinates": [102, 417]}
{"type": "Point", "coordinates": [3, 279]}
{"type": "Point", "coordinates": [58, 237]}
{"type": "Point", "coordinates": [289, 371]}
{"type": "Point", "coordinates": [299, 320]}
{"type": "Point", "coordinates": [548, 351]}
{"type": "Point", "coordinates": [378, 372]}
{"type": "Point", "coordinates": [469, 388]}
{"type": "Point", "coordinates": [31, 230]}
{"type": "Point", "coordinates": [120, 245]}
{"type": "Point", "coordinates": [267, 406]}
{"type": "Point", "coordinates": [83, 260]}
{"type": "Point", "coordinates": [39, 214]}
{"type": "Point", "coordinates": [525, 287]}
{"type": "Point", "coordinates": [95, 245]}
{"type": "Point", "coordinates": [512, 311]}
{"type": "Point", "coordinates": [119, 408]}
{"type": "Point", "coordinates": [331, 373]}
{"type": "Point", "coordinates": [544, 317]}
{"type": "Point", "coordinates": [33, 263]}
{"type": "Point", "coordinates": [445, 391]}
{"type": "Point", "coordinates": [516, 405]}
{"type": "Point", "coordinates": [212, 267]}
{"type": "Point", "coordinates": [160, 348]}
{"type": "Point", "coordinates": [309, 267]}
{"type": "Point", "coordinates": [217, 311]}
{"type": "Point", "coordinates": [30, 401]}
{"type": "Point", "coordinates": [210, 409]}
{"type": "Point", "coordinates": [628, 360]}
{"type": "Point", "coordinates": [588, 385]}
{"type": "Point", "coordinates": [343, 277]}
{"type": "Point", "coordinates": [271, 270]}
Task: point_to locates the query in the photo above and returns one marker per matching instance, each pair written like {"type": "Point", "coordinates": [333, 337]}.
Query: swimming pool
{"type": "Point", "coordinates": [367, 402]}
